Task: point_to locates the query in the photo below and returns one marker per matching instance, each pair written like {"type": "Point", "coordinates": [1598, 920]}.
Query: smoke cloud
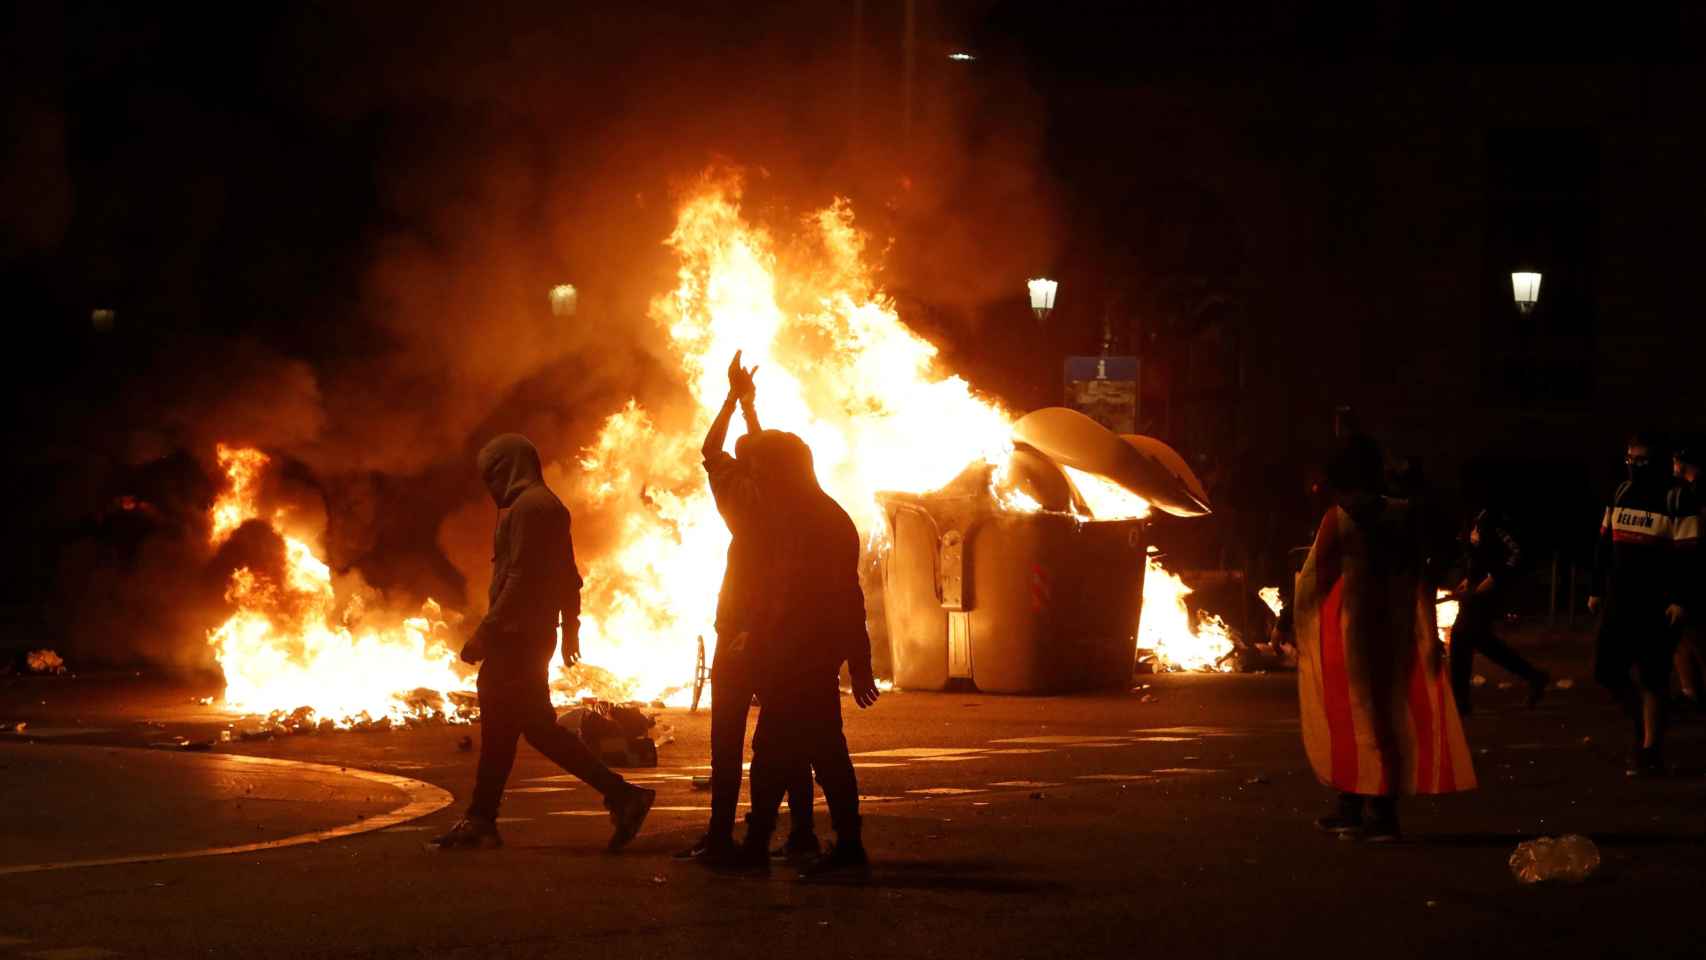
{"type": "Point", "coordinates": [343, 255]}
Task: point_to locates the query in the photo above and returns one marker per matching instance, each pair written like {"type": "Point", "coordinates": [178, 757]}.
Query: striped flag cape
{"type": "Point", "coordinates": [1373, 688]}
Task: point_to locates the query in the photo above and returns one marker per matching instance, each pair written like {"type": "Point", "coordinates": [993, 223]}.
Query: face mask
{"type": "Point", "coordinates": [1640, 468]}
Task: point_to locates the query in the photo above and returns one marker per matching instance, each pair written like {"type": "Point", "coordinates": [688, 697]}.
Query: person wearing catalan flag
{"type": "Point", "coordinates": [1379, 722]}
{"type": "Point", "coordinates": [1642, 574]}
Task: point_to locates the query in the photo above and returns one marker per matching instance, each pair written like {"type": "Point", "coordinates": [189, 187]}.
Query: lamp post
{"type": "Point", "coordinates": [1525, 287]}
{"type": "Point", "coordinates": [1042, 296]}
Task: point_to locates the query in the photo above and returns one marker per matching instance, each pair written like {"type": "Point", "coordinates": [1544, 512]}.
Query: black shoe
{"type": "Point", "coordinates": [802, 848]}
{"type": "Point", "coordinates": [1338, 823]}
{"type": "Point", "coordinates": [844, 861]}
{"type": "Point", "coordinates": [628, 814]}
{"type": "Point", "coordinates": [1646, 763]}
{"type": "Point", "coordinates": [470, 833]}
{"type": "Point", "coordinates": [1380, 831]}
{"type": "Point", "coordinates": [707, 847]}
{"type": "Point", "coordinates": [1537, 685]}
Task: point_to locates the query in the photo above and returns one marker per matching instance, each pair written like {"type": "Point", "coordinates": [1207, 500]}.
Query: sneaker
{"type": "Point", "coordinates": [1380, 831]}
{"type": "Point", "coordinates": [470, 833]}
{"type": "Point", "coordinates": [799, 849]}
{"type": "Point", "coordinates": [1338, 823]}
{"type": "Point", "coordinates": [842, 862]}
{"type": "Point", "coordinates": [707, 847]}
{"type": "Point", "coordinates": [628, 814]}
{"type": "Point", "coordinates": [1537, 685]}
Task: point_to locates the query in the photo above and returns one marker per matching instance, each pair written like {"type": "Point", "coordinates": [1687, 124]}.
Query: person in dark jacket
{"type": "Point", "coordinates": [1492, 561]}
{"type": "Point", "coordinates": [810, 621]}
{"type": "Point", "coordinates": [1639, 584]}
{"type": "Point", "coordinates": [534, 583]}
{"type": "Point", "coordinates": [1688, 662]}
{"type": "Point", "coordinates": [734, 486]}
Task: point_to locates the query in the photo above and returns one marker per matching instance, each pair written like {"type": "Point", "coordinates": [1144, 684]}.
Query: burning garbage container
{"type": "Point", "coordinates": [1027, 577]}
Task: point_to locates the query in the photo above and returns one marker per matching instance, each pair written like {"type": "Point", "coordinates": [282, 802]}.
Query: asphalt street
{"type": "Point", "coordinates": [1173, 819]}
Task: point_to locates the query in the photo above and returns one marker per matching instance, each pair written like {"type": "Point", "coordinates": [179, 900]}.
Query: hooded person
{"type": "Point", "coordinates": [1375, 699]}
{"type": "Point", "coordinates": [809, 621]}
{"type": "Point", "coordinates": [734, 668]}
{"type": "Point", "coordinates": [535, 586]}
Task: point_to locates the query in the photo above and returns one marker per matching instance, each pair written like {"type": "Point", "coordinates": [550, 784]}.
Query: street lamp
{"type": "Point", "coordinates": [1525, 286]}
{"type": "Point", "coordinates": [563, 298]}
{"type": "Point", "coordinates": [1042, 296]}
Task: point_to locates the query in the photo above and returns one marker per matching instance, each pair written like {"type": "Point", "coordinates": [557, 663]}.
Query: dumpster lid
{"type": "Point", "coordinates": [1143, 465]}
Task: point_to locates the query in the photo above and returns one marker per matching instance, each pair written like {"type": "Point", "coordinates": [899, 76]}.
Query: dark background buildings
{"type": "Point", "coordinates": [327, 230]}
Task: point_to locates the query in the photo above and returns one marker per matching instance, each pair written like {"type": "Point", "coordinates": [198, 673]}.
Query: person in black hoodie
{"type": "Point", "coordinates": [1640, 582]}
{"type": "Point", "coordinates": [1492, 562]}
{"type": "Point", "coordinates": [534, 580]}
{"type": "Point", "coordinates": [809, 621]}
{"type": "Point", "coordinates": [734, 671]}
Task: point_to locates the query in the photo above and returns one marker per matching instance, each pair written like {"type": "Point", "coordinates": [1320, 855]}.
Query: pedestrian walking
{"type": "Point", "coordinates": [1493, 560]}
{"type": "Point", "coordinates": [1640, 582]}
{"type": "Point", "coordinates": [535, 588]}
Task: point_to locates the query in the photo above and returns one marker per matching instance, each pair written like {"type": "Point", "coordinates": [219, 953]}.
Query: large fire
{"type": "Point", "coordinates": [293, 643]}
{"type": "Point", "coordinates": [836, 366]}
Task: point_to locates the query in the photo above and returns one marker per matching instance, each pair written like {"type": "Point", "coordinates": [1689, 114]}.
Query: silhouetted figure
{"type": "Point", "coordinates": [734, 485]}
{"type": "Point", "coordinates": [534, 579]}
{"type": "Point", "coordinates": [811, 621]}
{"type": "Point", "coordinates": [1492, 562]}
{"type": "Point", "coordinates": [1640, 580]}
{"type": "Point", "coordinates": [1688, 662]}
{"type": "Point", "coordinates": [1374, 698]}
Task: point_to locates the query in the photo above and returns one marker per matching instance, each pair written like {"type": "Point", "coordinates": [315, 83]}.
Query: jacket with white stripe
{"type": "Point", "coordinates": [1647, 541]}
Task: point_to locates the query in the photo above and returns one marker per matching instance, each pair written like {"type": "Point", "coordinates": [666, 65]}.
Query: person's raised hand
{"type": "Point", "coordinates": [1674, 614]}
{"type": "Point", "coordinates": [1593, 604]}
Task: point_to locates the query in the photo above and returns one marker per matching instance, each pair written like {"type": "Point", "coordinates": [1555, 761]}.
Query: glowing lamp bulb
{"type": "Point", "coordinates": [1526, 288]}
{"type": "Point", "coordinates": [563, 298]}
{"type": "Point", "coordinates": [1042, 296]}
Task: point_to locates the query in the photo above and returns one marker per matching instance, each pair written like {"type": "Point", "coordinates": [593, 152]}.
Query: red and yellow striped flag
{"type": "Point", "coordinates": [1373, 688]}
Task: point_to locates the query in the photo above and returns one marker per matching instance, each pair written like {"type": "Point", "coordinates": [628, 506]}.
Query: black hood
{"type": "Point", "coordinates": [509, 464]}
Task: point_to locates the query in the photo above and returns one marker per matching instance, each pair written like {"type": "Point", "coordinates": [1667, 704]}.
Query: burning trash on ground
{"type": "Point", "coordinates": [1009, 551]}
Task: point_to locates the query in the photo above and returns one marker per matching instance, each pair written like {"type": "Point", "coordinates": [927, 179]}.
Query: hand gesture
{"type": "Point", "coordinates": [740, 379]}
{"type": "Point", "coordinates": [571, 648]}
{"type": "Point", "coordinates": [1593, 604]}
{"type": "Point", "coordinates": [865, 692]}
{"type": "Point", "coordinates": [1674, 614]}
{"type": "Point", "coordinates": [474, 650]}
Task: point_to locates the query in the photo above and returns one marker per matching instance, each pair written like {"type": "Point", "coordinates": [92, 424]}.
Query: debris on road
{"type": "Point", "coordinates": [1570, 859]}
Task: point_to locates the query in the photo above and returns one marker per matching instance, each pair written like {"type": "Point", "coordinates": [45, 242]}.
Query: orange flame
{"type": "Point", "coordinates": [293, 643]}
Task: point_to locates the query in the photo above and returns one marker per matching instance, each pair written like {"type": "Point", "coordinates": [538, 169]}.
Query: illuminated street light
{"type": "Point", "coordinates": [1042, 296]}
{"type": "Point", "coordinates": [563, 297]}
{"type": "Point", "coordinates": [1526, 288]}
{"type": "Point", "coordinates": [960, 56]}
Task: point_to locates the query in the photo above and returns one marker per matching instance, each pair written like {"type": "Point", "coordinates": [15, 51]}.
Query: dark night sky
{"type": "Point", "coordinates": [1288, 205]}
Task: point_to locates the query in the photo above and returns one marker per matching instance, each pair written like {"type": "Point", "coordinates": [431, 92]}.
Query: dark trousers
{"type": "Point", "coordinates": [731, 701]}
{"type": "Point", "coordinates": [799, 727]}
{"type": "Point", "coordinates": [1472, 634]}
{"type": "Point", "coordinates": [1634, 653]}
{"type": "Point", "coordinates": [515, 702]}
